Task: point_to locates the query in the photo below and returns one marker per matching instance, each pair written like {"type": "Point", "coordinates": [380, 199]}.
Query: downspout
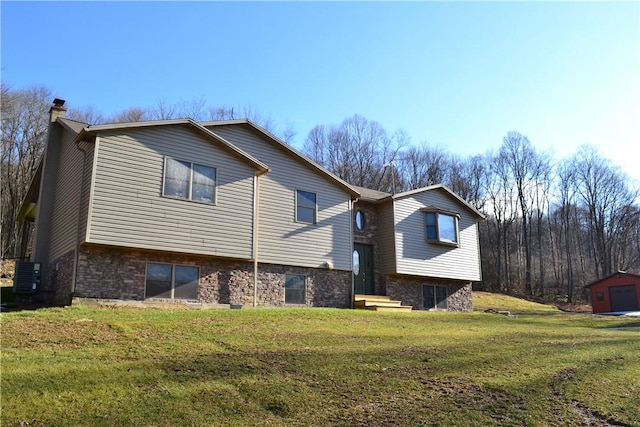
{"type": "Point", "coordinates": [77, 245]}
{"type": "Point", "coordinates": [353, 279]}
{"type": "Point", "coordinates": [255, 239]}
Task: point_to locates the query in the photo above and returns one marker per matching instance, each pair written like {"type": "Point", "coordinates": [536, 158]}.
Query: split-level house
{"type": "Point", "coordinates": [225, 213]}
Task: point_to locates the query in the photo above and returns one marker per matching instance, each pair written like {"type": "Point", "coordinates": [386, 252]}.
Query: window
{"type": "Point", "coordinates": [441, 227]}
{"type": "Point", "coordinates": [434, 297]}
{"type": "Point", "coordinates": [360, 220]}
{"type": "Point", "coordinates": [306, 207]}
{"type": "Point", "coordinates": [356, 262]}
{"type": "Point", "coordinates": [189, 181]}
{"type": "Point", "coordinates": [172, 281]}
{"type": "Point", "coordinates": [295, 291]}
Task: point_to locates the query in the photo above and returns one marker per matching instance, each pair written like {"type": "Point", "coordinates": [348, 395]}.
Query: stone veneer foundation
{"type": "Point", "coordinates": [58, 280]}
{"type": "Point", "coordinates": [116, 273]}
{"type": "Point", "coordinates": [409, 291]}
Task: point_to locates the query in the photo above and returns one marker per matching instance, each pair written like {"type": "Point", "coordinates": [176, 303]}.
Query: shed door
{"type": "Point", "coordinates": [624, 298]}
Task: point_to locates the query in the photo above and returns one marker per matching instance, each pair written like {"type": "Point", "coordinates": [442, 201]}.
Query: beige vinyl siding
{"type": "Point", "coordinates": [386, 239]}
{"type": "Point", "coordinates": [417, 257]}
{"type": "Point", "coordinates": [86, 189]}
{"type": "Point", "coordinates": [65, 215]}
{"type": "Point", "coordinates": [128, 209]}
{"type": "Point", "coordinates": [281, 240]}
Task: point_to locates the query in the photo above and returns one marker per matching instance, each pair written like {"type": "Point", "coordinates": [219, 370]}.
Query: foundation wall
{"type": "Point", "coordinates": [409, 291]}
{"type": "Point", "coordinates": [116, 273]}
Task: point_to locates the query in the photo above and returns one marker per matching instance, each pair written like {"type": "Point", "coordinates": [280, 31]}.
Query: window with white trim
{"type": "Point", "coordinates": [189, 181]}
{"type": "Point", "coordinates": [295, 289]}
{"type": "Point", "coordinates": [434, 297]}
{"type": "Point", "coordinates": [172, 281]}
{"type": "Point", "coordinates": [306, 207]}
{"type": "Point", "coordinates": [441, 227]}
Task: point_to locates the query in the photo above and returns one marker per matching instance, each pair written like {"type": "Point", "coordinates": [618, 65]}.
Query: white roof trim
{"type": "Point", "coordinates": [442, 187]}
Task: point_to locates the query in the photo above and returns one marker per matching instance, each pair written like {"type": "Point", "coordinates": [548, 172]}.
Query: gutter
{"type": "Point", "coordinates": [353, 279]}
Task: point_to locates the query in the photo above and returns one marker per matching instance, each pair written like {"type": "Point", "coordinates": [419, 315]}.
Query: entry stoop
{"type": "Point", "coordinates": [378, 303]}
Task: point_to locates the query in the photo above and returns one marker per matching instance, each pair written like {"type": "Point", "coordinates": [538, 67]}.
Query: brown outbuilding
{"type": "Point", "coordinates": [619, 292]}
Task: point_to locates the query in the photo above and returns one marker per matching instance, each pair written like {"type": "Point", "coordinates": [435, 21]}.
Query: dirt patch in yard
{"type": "Point", "coordinates": [574, 308]}
{"type": "Point", "coordinates": [39, 333]}
{"type": "Point", "coordinates": [587, 416]}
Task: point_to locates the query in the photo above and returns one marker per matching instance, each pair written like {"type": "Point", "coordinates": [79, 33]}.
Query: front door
{"type": "Point", "coordinates": [623, 298]}
{"type": "Point", "coordinates": [363, 269]}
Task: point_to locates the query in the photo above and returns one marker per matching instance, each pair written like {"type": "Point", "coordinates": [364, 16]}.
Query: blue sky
{"type": "Point", "coordinates": [459, 75]}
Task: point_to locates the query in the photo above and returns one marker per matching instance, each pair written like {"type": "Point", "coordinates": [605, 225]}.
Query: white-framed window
{"type": "Point", "coordinates": [306, 207]}
{"type": "Point", "coordinates": [295, 289]}
{"type": "Point", "coordinates": [441, 227]}
{"type": "Point", "coordinates": [434, 297]}
{"type": "Point", "coordinates": [189, 181]}
{"type": "Point", "coordinates": [172, 281]}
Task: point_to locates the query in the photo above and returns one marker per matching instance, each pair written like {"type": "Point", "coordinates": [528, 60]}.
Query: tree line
{"type": "Point", "coordinates": [551, 227]}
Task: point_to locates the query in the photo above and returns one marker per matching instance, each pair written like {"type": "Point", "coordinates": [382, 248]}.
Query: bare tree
{"type": "Point", "coordinates": [424, 166]}
{"type": "Point", "coordinates": [86, 114]}
{"type": "Point", "coordinates": [500, 193]}
{"type": "Point", "coordinates": [523, 164]}
{"type": "Point", "coordinates": [195, 108]}
{"type": "Point", "coordinates": [608, 200]}
{"type": "Point", "coordinates": [357, 151]}
{"type": "Point", "coordinates": [467, 179]}
{"type": "Point", "coordinates": [132, 114]}
{"type": "Point", "coordinates": [24, 130]}
{"type": "Point", "coordinates": [163, 110]}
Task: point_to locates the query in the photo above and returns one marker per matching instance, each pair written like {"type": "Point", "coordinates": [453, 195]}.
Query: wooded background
{"type": "Point", "coordinates": [552, 225]}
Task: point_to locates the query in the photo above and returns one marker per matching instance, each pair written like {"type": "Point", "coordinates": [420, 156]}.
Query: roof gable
{"type": "Point", "coordinates": [618, 274]}
{"type": "Point", "coordinates": [447, 191]}
{"type": "Point", "coordinates": [290, 151]}
{"type": "Point", "coordinates": [73, 125]}
{"type": "Point", "coordinates": [89, 132]}
{"type": "Point", "coordinates": [375, 196]}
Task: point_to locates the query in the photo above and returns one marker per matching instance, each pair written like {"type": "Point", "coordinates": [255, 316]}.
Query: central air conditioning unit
{"type": "Point", "coordinates": [27, 277]}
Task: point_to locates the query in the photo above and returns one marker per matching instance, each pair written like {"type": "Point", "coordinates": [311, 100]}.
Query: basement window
{"type": "Point", "coordinates": [434, 297]}
{"type": "Point", "coordinates": [295, 289]}
{"type": "Point", "coordinates": [172, 281]}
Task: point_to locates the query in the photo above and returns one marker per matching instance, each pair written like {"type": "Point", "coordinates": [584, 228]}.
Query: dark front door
{"type": "Point", "coordinates": [623, 298]}
{"type": "Point", "coordinates": [363, 269]}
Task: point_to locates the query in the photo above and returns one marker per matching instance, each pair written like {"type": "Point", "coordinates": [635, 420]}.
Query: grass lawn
{"type": "Point", "coordinates": [81, 366]}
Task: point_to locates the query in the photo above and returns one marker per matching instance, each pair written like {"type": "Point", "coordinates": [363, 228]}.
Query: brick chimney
{"type": "Point", "coordinates": [57, 110]}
